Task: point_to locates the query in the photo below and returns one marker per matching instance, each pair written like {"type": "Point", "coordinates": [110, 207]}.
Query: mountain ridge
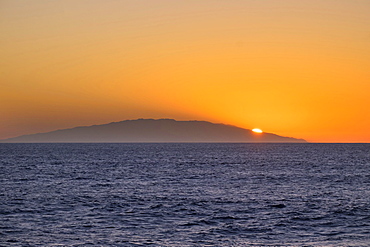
{"type": "Point", "coordinates": [152, 130]}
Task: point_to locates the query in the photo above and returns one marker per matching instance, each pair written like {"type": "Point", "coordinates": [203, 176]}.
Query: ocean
{"type": "Point", "coordinates": [185, 194]}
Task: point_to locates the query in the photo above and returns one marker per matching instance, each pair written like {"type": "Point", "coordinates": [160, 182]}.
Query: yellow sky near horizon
{"type": "Point", "coordinates": [294, 68]}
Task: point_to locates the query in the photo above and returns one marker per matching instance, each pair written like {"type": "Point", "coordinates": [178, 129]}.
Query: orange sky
{"type": "Point", "coordinates": [294, 68]}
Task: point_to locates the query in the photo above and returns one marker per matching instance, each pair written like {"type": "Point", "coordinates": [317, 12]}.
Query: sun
{"type": "Point", "coordinates": [257, 130]}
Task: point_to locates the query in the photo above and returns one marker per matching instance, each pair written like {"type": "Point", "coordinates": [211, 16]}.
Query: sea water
{"type": "Point", "coordinates": [185, 194]}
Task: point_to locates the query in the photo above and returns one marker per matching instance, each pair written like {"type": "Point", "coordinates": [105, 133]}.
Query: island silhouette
{"type": "Point", "coordinates": [152, 130]}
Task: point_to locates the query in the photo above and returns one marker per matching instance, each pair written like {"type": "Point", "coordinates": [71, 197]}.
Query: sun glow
{"type": "Point", "coordinates": [241, 63]}
{"type": "Point", "coordinates": [257, 130]}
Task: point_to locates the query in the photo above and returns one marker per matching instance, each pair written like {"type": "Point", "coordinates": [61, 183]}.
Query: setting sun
{"type": "Point", "coordinates": [257, 130]}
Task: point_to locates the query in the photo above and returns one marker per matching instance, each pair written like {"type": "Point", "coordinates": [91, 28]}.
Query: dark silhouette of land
{"type": "Point", "coordinates": [151, 130]}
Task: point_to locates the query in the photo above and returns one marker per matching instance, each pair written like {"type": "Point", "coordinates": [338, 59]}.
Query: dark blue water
{"type": "Point", "coordinates": [185, 194]}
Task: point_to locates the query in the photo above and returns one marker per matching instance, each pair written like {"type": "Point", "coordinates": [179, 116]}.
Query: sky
{"type": "Point", "coordinates": [293, 68]}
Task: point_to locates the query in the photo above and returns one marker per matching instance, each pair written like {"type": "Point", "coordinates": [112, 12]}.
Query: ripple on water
{"type": "Point", "coordinates": [184, 194]}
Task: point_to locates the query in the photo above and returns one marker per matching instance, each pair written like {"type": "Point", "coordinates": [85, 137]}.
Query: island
{"type": "Point", "coordinates": [153, 130]}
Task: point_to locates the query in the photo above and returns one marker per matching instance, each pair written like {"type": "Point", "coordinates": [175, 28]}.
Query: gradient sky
{"type": "Point", "coordinates": [294, 68]}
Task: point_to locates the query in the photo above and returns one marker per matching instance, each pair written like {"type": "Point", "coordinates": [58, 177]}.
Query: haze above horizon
{"type": "Point", "coordinates": [294, 68]}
